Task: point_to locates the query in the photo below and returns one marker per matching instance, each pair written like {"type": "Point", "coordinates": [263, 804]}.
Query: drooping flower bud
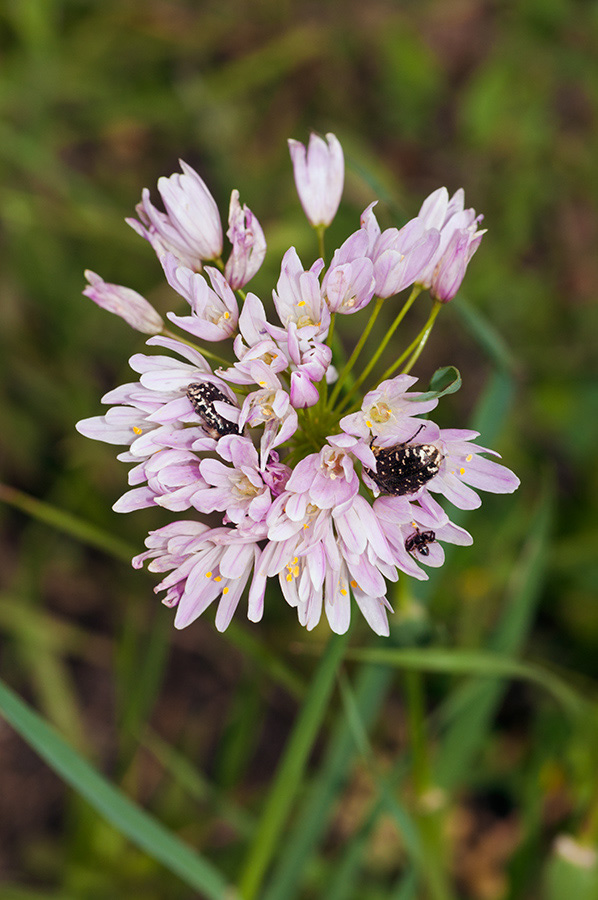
{"type": "Point", "coordinates": [124, 302]}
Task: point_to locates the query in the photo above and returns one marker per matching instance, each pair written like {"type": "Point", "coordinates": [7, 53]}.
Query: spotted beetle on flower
{"type": "Point", "coordinates": [330, 493]}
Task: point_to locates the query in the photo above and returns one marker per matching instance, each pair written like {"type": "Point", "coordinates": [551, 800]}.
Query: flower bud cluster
{"type": "Point", "coordinates": [331, 496]}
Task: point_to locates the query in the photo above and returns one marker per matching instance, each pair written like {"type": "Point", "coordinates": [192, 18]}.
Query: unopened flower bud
{"type": "Point", "coordinates": [124, 302]}
{"type": "Point", "coordinates": [249, 244]}
{"type": "Point", "coordinates": [319, 174]}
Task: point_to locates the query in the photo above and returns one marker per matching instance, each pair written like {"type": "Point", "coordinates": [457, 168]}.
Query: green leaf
{"type": "Point", "coordinates": [477, 662]}
{"type": "Point", "coordinates": [472, 708]}
{"type": "Point", "coordinates": [291, 768]}
{"type": "Point", "coordinates": [446, 380]}
{"type": "Point", "coordinates": [312, 818]}
{"type": "Point", "coordinates": [128, 818]}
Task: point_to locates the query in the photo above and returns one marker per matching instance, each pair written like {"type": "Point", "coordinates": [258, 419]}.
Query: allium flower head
{"type": "Point", "coordinates": [308, 480]}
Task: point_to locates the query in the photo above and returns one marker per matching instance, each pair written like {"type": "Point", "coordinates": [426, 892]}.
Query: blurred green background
{"type": "Point", "coordinates": [97, 100]}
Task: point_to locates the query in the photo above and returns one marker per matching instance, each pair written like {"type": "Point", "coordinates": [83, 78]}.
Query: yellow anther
{"type": "Point", "coordinates": [289, 577]}
{"type": "Point", "coordinates": [353, 583]}
{"type": "Point", "coordinates": [262, 383]}
{"type": "Point", "coordinates": [218, 578]}
{"type": "Point", "coordinates": [301, 303]}
{"type": "Point", "coordinates": [208, 574]}
{"type": "Point", "coordinates": [306, 525]}
{"type": "Point", "coordinates": [344, 592]}
{"type": "Point", "coordinates": [461, 471]}
{"type": "Point", "coordinates": [227, 315]}
{"type": "Point", "coordinates": [225, 590]}
{"type": "Point", "coordinates": [469, 457]}
{"type": "Point", "coordinates": [137, 430]}
{"type": "Point", "coordinates": [368, 423]}
{"type": "Point", "coordinates": [414, 524]}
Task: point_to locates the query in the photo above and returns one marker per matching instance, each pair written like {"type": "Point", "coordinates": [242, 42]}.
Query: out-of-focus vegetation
{"type": "Point", "coordinates": [97, 100]}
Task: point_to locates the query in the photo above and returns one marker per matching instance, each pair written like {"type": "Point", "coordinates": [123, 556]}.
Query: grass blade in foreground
{"type": "Point", "coordinates": [473, 707]}
{"type": "Point", "coordinates": [474, 662]}
{"type": "Point", "coordinates": [291, 768]}
{"type": "Point", "coordinates": [128, 818]}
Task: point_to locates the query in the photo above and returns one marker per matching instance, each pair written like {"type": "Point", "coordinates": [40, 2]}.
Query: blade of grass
{"type": "Point", "coordinates": [128, 818]}
{"type": "Point", "coordinates": [418, 838]}
{"type": "Point", "coordinates": [291, 769]}
{"type": "Point", "coordinates": [314, 814]}
{"type": "Point", "coordinates": [481, 663]}
{"type": "Point", "coordinates": [96, 537]}
{"type": "Point", "coordinates": [477, 702]}
{"type": "Point", "coordinates": [66, 522]}
{"type": "Point", "coordinates": [185, 774]}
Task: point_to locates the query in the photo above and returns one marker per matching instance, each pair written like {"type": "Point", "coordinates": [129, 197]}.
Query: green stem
{"type": "Point", "coordinates": [290, 770]}
{"type": "Point", "coordinates": [359, 347]}
{"type": "Point", "coordinates": [320, 230]}
{"type": "Point", "coordinates": [414, 693]}
{"type": "Point", "coordinates": [383, 344]}
{"type": "Point", "coordinates": [166, 332]}
{"type": "Point", "coordinates": [331, 329]}
{"type": "Point", "coordinates": [425, 334]}
{"type": "Point", "coordinates": [421, 339]}
{"type": "Point", "coordinates": [428, 798]}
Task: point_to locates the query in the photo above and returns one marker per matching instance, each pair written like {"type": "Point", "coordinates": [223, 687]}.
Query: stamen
{"type": "Point", "coordinates": [137, 430]}
{"type": "Point", "coordinates": [353, 583]}
{"type": "Point", "coordinates": [344, 592]}
{"type": "Point", "coordinates": [208, 574]}
{"type": "Point", "coordinates": [469, 457]}
{"type": "Point", "coordinates": [218, 578]}
{"type": "Point", "coordinates": [461, 471]}
{"type": "Point", "coordinates": [225, 590]}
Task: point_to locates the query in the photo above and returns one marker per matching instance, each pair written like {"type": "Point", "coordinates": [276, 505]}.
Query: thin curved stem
{"type": "Point", "coordinates": [384, 342]}
{"type": "Point", "coordinates": [425, 334]}
{"type": "Point", "coordinates": [358, 348]}
{"type": "Point", "coordinates": [320, 231]}
{"type": "Point", "coordinates": [166, 332]}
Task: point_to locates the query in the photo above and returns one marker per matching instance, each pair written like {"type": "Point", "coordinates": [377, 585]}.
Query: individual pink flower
{"type": "Point", "coordinates": [298, 299]}
{"type": "Point", "coordinates": [459, 239]}
{"type": "Point", "coordinates": [319, 174]}
{"type": "Point", "coordinates": [190, 229]}
{"type": "Point", "coordinates": [204, 565]}
{"type": "Point", "coordinates": [389, 413]}
{"type": "Point", "coordinates": [249, 244]}
{"type": "Point", "coordinates": [349, 283]}
{"type": "Point", "coordinates": [214, 310]}
{"type": "Point", "coordinates": [254, 343]}
{"type": "Point", "coordinates": [399, 256]}
{"type": "Point", "coordinates": [239, 490]}
{"type": "Point", "coordinates": [124, 302]}
{"type": "Point", "coordinates": [464, 468]}
{"type": "Point", "coordinates": [153, 413]}
{"type": "Point", "coordinates": [269, 406]}
{"type": "Point", "coordinates": [421, 526]}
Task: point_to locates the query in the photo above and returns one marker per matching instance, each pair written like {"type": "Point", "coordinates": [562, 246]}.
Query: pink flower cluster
{"type": "Point", "coordinates": [334, 506]}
